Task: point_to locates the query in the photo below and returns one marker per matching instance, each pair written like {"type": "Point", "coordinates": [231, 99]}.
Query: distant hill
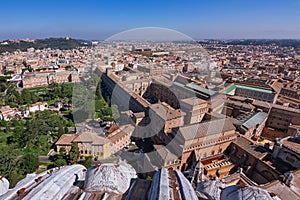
{"type": "Point", "coordinates": [278, 42]}
{"type": "Point", "coordinates": [53, 43]}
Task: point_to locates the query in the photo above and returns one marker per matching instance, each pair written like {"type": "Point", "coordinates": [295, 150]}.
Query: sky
{"type": "Point", "coordinates": [199, 19]}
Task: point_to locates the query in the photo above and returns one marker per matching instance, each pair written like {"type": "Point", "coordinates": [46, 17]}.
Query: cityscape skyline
{"type": "Point", "coordinates": [150, 100]}
{"type": "Point", "coordinates": [199, 20]}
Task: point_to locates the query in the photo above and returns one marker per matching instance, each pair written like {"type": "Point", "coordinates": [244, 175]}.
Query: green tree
{"type": "Point", "coordinates": [43, 124]}
{"type": "Point", "coordinates": [74, 153]}
{"type": "Point", "coordinates": [34, 98]}
{"type": "Point", "coordinates": [14, 177]}
{"type": "Point", "coordinates": [88, 161]}
{"type": "Point", "coordinates": [60, 162]}
{"type": "Point", "coordinates": [106, 111]}
{"type": "Point", "coordinates": [18, 135]}
{"type": "Point", "coordinates": [115, 111]}
{"type": "Point", "coordinates": [98, 91]}
{"type": "Point", "coordinates": [66, 130]}
{"type": "Point", "coordinates": [62, 152]}
{"type": "Point", "coordinates": [3, 87]}
{"type": "Point", "coordinates": [66, 91]}
{"type": "Point", "coordinates": [54, 90]}
{"type": "Point", "coordinates": [25, 97]}
{"type": "Point", "coordinates": [61, 131]}
{"type": "Point", "coordinates": [9, 72]}
{"type": "Point", "coordinates": [99, 104]}
{"type": "Point", "coordinates": [9, 164]}
{"type": "Point", "coordinates": [28, 164]}
{"type": "Point", "coordinates": [7, 159]}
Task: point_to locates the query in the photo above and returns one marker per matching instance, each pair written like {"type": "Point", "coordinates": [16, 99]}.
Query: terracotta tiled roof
{"type": "Point", "coordinates": [120, 133]}
{"type": "Point", "coordinates": [116, 137]}
{"type": "Point", "coordinates": [113, 128]}
{"type": "Point", "coordinates": [91, 137]}
{"type": "Point", "coordinates": [66, 139]}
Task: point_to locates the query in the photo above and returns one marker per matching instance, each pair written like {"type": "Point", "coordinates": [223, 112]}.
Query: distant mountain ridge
{"type": "Point", "coordinates": [53, 43]}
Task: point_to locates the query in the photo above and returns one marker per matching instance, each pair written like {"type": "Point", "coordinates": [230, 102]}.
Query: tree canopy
{"type": "Point", "coordinates": [74, 153]}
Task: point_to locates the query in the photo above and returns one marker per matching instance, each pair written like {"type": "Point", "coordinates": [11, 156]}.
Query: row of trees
{"type": "Point", "coordinates": [40, 132]}
{"type": "Point", "coordinates": [82, 96]}
{"type": "Point", "coordinates": [22, 141]}
{"type": "Point", "coordinates": [89, 102]}
{"type": "Point", "coordinates": [54, 43]}
{"type": "Point", "coordinates": [54, 91]}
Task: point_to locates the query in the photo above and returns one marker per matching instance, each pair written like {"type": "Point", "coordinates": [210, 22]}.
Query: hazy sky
{"type": "Point", "coordinates": [99, 19]}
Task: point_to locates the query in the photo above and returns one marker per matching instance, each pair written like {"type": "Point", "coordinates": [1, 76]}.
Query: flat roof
{"type": "Point", "coordinates": [193, 101]}
{"type": "Point", "coordinates": [201, 89]}
{"type": "Point", "coordinates": [233, 87]}
{"type": "Point", "coordinates": [200, 94]}
{"type": "Point", "coordinates": [257, 118]}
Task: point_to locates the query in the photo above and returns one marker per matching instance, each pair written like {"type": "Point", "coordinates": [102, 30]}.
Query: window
{"type": "Point", "coordinates": [220, 150]}
{"type": "Point", "coordinates": [205, 155]}
{"type": "Point", "coordinates": [213, 152]}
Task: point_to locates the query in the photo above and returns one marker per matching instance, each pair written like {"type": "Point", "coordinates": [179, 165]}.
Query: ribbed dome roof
{"type": "Point", "coordinates": [245, 193]}
{"type": "Point", "coordinates": [4, 185]}
{"type": "Point", "coordinates": [109, 178]}
{"type": "Point", "coordinates": [53, 184]}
